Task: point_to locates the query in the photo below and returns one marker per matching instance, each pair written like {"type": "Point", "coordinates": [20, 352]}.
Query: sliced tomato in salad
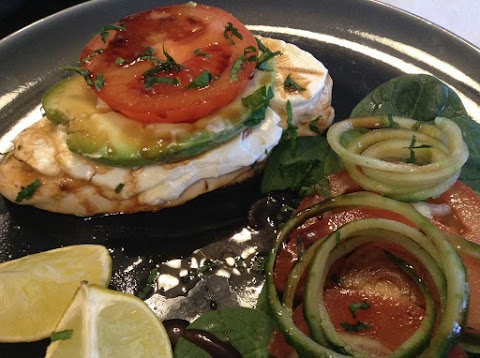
{"type": "Point", "coordinates": [359, 274]}
{"type": "Point", "coordinates": [172, 64]}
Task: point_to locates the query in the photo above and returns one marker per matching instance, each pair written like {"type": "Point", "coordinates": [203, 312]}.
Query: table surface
{"type": "Point", "coordinates": [460, 16]}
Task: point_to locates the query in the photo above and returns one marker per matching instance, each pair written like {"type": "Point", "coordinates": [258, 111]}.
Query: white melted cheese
{"type": "Point", "coordinates": [308, 72]}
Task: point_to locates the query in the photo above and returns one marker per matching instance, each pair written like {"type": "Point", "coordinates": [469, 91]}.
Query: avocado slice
{"type": "Point", "coordinates": [103, 135]}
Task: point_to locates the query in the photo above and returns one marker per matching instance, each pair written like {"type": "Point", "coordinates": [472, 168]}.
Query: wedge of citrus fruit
{"type": "Point", "coordinates": [36, 290]}
{"type": "Point", "coordinates": [105, 323]}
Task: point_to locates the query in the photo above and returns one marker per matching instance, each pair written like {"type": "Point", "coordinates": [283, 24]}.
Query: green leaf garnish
{"type": "Point", "coordinates": [99, 82]}
{"type": "Point", "coordinates": [27, 192]}
{"type": "Point", "coordinates": [161, 66]}
{"type": "Point", "coordinates": [87, 75]}
{"type": "Point", "coordinates": [119, 188]}
{"type": "Point", "coordinates": [354, 307]}
{"type": "Point", "coordinates": [119, 61]}
{"type": "Point", "coordinates": [200, 53]}
{"type": "Point", "coordinates": [231, 31]}
{"type": "Point", "coordinates": [290, 85]}
{"type": "Point", "coordinates": [150, 81]}
{"type": "Point", "coordinates": [355, 328]}
{"type": "Point", "coordinates": [257, 103]}
{"type": "Point", "coordinates": [313, 125]}
{"type": "Point", "coordinates": [389, 122]}
{"type": "Point", "coordinates": [202, 80]}
{"type": "Point", "coordinates": [412, 159]}
{"type": "Point", "coordinates": [267, 54]}
{"type": "Point", "coordinates": [105, 31]}
{"type": "Point", "coordinates": [249, 55]}
{"type": "Point", "coordinates": [61, 335]}
{"type": "Point", "coordinates": [92, 55]}
{"type": "Point", "coordinates": [290, 133]}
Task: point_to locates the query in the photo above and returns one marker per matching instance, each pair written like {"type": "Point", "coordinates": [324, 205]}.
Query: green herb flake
{"type": "Point", "coordinates": [291, 85]}
{"type": "Point", "coordinates": [92, 55]}
{"type": "Point", "coordinates": [338, 238]}
{"type": "Point", "coordinates": [200, 53]}
{"type": "Point", "coordinates": [231, 31]}
{"type": "Point", "coordinates": [87, 75]}
{"type": "Point", "coordinates": [355, 328]}
{"type": "Point", "coordinates": [167, 66]}
{"type": "Point", "coordinates": [105, 31]}
{"type": "Point", "coordinates": [202, 80]}
{"type": "Point", "coordinates": [267, 54]}
{"type": "Point", "coordinates": [354, 307]}
{"type": "Point", "coordinates": [150, 81]}
{"type": "Point", "coordinates": [249, 55]}
{"type": "Point", "coordinates": [313, 125]}
{"type": "Point", "coordinates": [290, 133]}
{"type": "Point", "coordinates": [299, 248]}
{"type": "Point", "coordinates": [99, 82]}
{"type": "Point", "coordinates": [149, 286]}
{"type": "Point", "coordinates": [119, 61]}
{"type": "Point", "coordinates": [412, 159]}
{"type": "Point", "coordinates": [389, 122]}
{"type": "Point", "coordinates": [27, 192]}
{"type": "Point", "coordinates": [119, 188]}
{"type": "Point", "coordinates": [257, 103]}
{"type": "Point", "coordinates": [61, 335]}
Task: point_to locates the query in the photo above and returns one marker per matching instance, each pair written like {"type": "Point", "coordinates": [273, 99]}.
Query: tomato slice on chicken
{"type": "Point", "coordinates": [171, 64]}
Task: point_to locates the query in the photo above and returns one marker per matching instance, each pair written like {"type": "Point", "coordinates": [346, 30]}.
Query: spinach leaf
{"type": "Point", "coordinates": [423, 97]}
{"type": "Point", "coordinates": [248, 330]}
{"type": "Point", "coordinates": [301, 169]}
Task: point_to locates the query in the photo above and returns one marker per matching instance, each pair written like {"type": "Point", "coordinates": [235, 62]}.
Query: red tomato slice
{"type": "Point", "coordinates": [189, 40]}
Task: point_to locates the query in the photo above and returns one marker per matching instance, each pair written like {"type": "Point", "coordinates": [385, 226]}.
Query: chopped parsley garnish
{"type": "Point", "coordinates": [290, 85]}
{"type": "Point", "coordinates": [412, 159]}
{"type": "Point", "coordinates": [92, 55]}
{"type": "Point", "coordinates": [267, 54]}
{"type": "Point", "coordinates": [354, 307]}
{"type": "Point", "coordinates": [99, 82]}
{"type": "Point", "coordinates": [355, 328]}
{"type": "Point", "coordinates": [119, 188]}
{"type": "Point", "coordinates": [119, 61]}
{"type": "Point", "coordinates": [313, 125]}
{"type": "Point", "coordinates": [389, 122]}
{"type": "Point", "coordinates": [105, 31]}
{"type": "Point", "coordinates": [231, 31]}
{"type": "Point", "coordinates": [299, 248]}
{"type": "Point", "coordinates": [338, 237]}
{"type": "Point", "coordinates": [248, 56]}
{"type": "Point", "coordinates": [202, 80]}
{"type": "Point", "coordinates": [257, 103]}
{"type": "Point", "coordinates": [149, 285]}
{"type": "Point", "coordinates": [290, 133]}
{"type": "Point", "coordinates": [27, 192]}
{"type": "Point", "coordinates": [161, 66]}
{"type": "Point", "coordinates": [150, 81]}
{"type": "Point", "coordinates": [61, 335]}
{"type": "Point", "coordinates": [200, 53]}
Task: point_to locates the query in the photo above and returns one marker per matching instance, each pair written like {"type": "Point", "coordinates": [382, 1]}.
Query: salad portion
{"type": "Point", "coordinates": [373, 246]}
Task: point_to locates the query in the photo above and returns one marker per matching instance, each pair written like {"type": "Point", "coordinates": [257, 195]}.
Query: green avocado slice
{"type": "Point", "coordinates": [105, 136]}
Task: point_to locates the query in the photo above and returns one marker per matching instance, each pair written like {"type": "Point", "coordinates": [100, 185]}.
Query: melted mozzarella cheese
{"type": "Point", "coordinates": [310, 74]}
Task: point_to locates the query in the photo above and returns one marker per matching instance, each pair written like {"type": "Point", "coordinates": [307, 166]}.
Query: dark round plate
{"type": "Point", "coordinates": [362, 43]}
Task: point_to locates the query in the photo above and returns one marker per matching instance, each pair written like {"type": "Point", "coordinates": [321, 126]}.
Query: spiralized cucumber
{"type": "Point", "coordinates": [425, 242]}
{"type": "Point", "coordinates": [401, 158]}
